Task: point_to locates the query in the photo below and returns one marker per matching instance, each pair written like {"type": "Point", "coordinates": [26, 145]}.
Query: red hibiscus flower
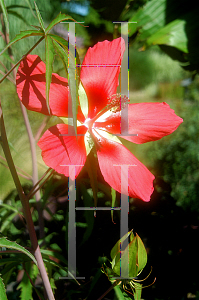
{"type": "Point", "coordinates": [147, 121]}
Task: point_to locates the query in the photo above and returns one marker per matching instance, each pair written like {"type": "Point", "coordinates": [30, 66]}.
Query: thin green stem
{"type": "Point", "coordinates": [111, 287]}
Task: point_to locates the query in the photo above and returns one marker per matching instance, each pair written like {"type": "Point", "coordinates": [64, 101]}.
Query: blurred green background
{"type": "Point", "coordinates": [163, 67]}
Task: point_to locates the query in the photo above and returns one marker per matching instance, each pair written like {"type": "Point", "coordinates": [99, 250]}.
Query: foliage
{"type": "Point", "coordinates": [173, 26]}
{"type": "Point", "coordinates": [165, 228]}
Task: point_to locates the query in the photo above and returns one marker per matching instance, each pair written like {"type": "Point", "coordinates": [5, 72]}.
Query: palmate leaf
{"type": "Point", "coordinates": [13, 245]}
{"type": "Point", "coordinates": [2, 290]}
{"type": "Point", "coordinates": [62, 54]}
{"type": "Point", "coordinates": [49, 48]}
{"type": "Point", "coordinates": [22, 35]}
{"type": "Point", "coordinates": [5, 15]}
{"type": "Point", "coordinates": [39, 17]}
{"type": "Point", "coordinates": [60, 18]}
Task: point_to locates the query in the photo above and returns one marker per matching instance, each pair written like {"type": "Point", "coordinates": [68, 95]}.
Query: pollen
{"type": "Point", "coordinates": [117, 102]}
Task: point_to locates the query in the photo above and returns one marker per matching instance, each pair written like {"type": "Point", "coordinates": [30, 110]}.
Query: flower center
{"type": "Point", "coordinates": [117, 102]}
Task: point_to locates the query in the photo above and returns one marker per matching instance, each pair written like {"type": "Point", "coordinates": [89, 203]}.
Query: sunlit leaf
{"type": "Point", "coordinates": [13, 245]}
{"type": "Point", "coordinates": [170, 25]}
{"type": "Point", "coordinates": [116, 247]}
{"type": "Point", "coordinates": [22, 35]}
{"type": "Point", "coordinates": [173, 34]}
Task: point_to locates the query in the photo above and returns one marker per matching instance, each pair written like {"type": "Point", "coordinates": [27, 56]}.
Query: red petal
{"type": "Point", "coordinates": [139, 180]}
{"type": "Point", "coordinates": [31, 88]}
{"type": "Point", "coordinates": [151, 121]}
{"type": "Point", "coordinates": [63, 150]}
{"type": "Point", "coordinates": [112, 123]}
{"type": "Point", "coordinates": [100, 82]}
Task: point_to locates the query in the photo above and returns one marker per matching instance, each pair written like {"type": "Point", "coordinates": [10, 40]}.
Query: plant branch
{"type": "Point", "coordinates": [26, 209]}
{"type": "Point", "coordinates": [37, 43]}
{"type": "Point", "coordinates": [31, 139]}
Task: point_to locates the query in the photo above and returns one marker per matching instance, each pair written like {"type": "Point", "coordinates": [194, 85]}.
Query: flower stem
{"type": "Point", "coordinates": [29, 132]}
{"type": "Point", "coordinates": [111, 287]}
{"type": "Point", "coordinates": [26, 209]}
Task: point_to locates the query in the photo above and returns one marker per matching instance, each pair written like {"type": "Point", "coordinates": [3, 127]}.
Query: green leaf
{"type": "Point", "coordinates": [91, 167]}
{"type": "Point", "coordinates": [5, 15]}
{"type": "Point", "coordinates": [25, 284]}
{"type": "Point", "coordinates": [83, 99]}
{"type": "Point", "coordinates": [9, 207]}
{"type": "Point", "coordinates": [89, 216]}
{"type": "Point", "coordinates": [113, 199]}
{"type": "Point", "coordinates": [119, 293]}
{"type": "Point", "coordinates": [54, 254]}
{"type": "Point", "coordinates": [41, 22]}
{"type": "Point", "coordinates": [73, 88]}
{"type": "Point", "coordinates": [171, 26]}
{"type": "Point", "coordinates": [173, 34]}
{"type": "Point", "coordinates": [30, 7]}
{"type": "Point", "coordinates": [22, 35]}
{"type": "Point", "coordinates": [63, 54]}
{"type": "Point", "coordinates": [2, 290]}
{"type": "Point", "coordinates": [13, 245]}
{"type": "Point", "coordinates": [135, 255]}
{"type": "Point", "coordinates": [49, 66]}
{"type": "Point", "coordinates": [137, 291]}
{"type": "Point", "coordinates": [142, 254]}
{"type": "Point", "coordinates": [64, 43]}
{"type": "Point", "coordinates": [116, 248]}
{"type": "Point", "coordinates": [7, 271]}
{"type": "Point", "coordinates": [148, 19]}
{"type": "Point", "coordinates": [7, 221]}
{"type": "Point", "coordinates": [8, 58]}
{"type": "Point", "coordinates": [14, 13]}
{"type": "Point", "coordinates": [60, 18]}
